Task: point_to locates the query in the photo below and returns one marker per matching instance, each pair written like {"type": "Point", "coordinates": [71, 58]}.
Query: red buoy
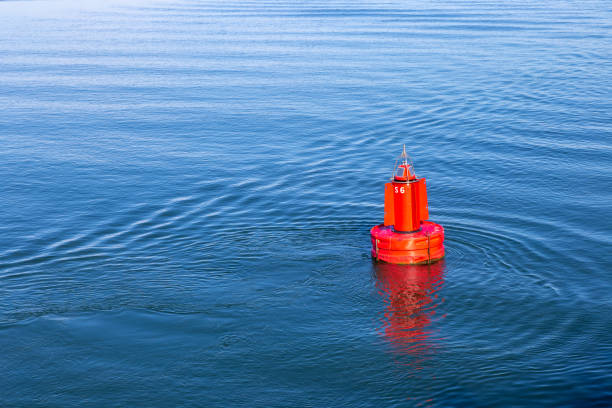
{"type": "Point", "coordinates": [406, 237]}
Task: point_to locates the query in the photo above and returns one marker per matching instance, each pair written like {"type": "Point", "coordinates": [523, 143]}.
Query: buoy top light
{"type": "Point", "coordinates": [404, 171]}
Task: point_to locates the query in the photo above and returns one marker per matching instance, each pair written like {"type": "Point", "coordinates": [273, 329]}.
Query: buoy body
{"type": "Point", "coordinates": [406, 237]}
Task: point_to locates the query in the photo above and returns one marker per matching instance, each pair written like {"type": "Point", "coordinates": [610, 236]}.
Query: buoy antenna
{"type": "Point", "coordinates": [404, 155]}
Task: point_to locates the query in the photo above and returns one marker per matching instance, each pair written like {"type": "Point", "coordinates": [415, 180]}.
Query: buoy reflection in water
{"type": "Point", "coordinates": [410, 294]}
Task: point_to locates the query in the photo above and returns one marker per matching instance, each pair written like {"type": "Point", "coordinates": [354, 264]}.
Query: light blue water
{"type": "Point", "coordinates": [187, 190]}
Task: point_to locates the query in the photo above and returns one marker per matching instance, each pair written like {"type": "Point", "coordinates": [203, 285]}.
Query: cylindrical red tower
{"type": "Point", "coordinates": [406, 237]}
{"type": "Point", "coordinates": [405, 200]}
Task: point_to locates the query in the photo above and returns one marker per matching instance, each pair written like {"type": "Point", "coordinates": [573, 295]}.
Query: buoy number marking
{"type": "Point", "coordinates": [401, 189]}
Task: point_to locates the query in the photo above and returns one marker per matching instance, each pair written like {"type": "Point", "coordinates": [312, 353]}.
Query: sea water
{"type": "Point", "coordinates": [187, 189]}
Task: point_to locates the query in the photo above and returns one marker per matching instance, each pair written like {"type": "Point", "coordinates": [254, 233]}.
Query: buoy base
{"type": "Point", "coordinates": [420, 247]}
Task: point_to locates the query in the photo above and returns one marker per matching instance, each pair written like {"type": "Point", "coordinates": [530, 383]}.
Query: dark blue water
{"type": "Point", "coordinates": [187, 190]}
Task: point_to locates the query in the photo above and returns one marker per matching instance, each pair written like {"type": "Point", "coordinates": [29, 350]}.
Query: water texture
{"type": "Point", "coordinates": [187, 189]}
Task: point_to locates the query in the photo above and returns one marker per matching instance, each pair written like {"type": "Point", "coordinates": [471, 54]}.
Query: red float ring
{"type": "Point", "coordinates": [421, 247]}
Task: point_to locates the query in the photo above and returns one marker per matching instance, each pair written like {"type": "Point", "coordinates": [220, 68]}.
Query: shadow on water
{"type": "Point", "coordinates": [410, 293]}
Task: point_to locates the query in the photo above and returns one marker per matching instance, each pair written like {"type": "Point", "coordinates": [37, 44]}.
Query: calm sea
{"type": "Point", "coordinates": [187, 188]}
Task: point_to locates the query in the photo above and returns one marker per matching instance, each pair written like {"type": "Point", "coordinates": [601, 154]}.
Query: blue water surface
{"type": "Point", "coordinates": [187, 189]}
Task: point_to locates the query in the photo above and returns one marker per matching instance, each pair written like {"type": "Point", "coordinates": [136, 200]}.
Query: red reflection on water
{"type": "Point", "coordinates": [410, 292]}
